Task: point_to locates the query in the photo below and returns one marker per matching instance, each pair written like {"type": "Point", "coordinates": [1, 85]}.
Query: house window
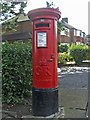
{"type": "Point", "coordinates": [78, 33]}
{"type": "Point", "coordinates": [63, 32]}
{"type": "Point", "coordinates": [3, 43]}
{"type": "Point", "coordinates": [78, 43]}
{"type": "Point", "coordinates": [68, 33]}
{"type": "Point", "coordinates": [75, 33]}
{"type": "Point", "coordinates": [81, 34]}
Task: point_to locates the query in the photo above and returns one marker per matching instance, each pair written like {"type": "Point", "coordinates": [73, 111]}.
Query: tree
{"type": "Point", "coordinates": [60, 27]}
{"type": "Point", "coordinates": [9, 10]}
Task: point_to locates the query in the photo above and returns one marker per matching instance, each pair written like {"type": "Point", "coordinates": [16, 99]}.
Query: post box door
{"type": "Point", "coordinates": [44, 59]}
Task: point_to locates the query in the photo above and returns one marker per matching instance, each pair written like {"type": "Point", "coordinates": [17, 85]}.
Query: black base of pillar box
{"type": "Point", "coordinates": [44, 101]}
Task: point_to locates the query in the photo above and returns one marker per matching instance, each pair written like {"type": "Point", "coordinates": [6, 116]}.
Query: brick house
{"type": "Point", "coordinates": [70, 34]}
{"type": "Point", "coordinates": [23, 31]}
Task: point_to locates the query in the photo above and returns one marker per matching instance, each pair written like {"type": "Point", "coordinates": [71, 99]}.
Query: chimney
{"type": "Point", "coordinates": [65, 20]}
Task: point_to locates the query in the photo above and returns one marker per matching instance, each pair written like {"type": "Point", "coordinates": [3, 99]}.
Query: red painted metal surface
{"type": "Point", "coordinates": [44, 47]}
{"type": "Point", "coordinates": [49, 13]}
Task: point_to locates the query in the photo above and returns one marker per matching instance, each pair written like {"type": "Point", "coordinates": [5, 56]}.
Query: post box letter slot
{"type": "Point", "coordinates": [42, 25]}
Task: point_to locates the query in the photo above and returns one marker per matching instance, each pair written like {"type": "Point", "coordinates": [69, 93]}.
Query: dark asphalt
{"type": "Point", "coordinates": [73, 77]}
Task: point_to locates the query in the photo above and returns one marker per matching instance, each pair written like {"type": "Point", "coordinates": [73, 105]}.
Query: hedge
{"type": "Point", "coordinates": [88, 53]}
{"type": "Point", "coordinates": [62, 48]}
{"type": "Point", "coordinates": [0, 57]}
{"type": "Point", "coordinates": [64, 57]}
{"type": "Point", "coordinates": [78, 52]}
{"type": "Point", "coordinates": [16, 72]}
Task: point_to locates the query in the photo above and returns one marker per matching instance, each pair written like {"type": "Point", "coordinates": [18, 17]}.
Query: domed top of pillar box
{"type": "Point", "coordinates": [40, 13]}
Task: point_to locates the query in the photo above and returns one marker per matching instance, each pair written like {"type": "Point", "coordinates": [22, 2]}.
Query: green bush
{"type": "Point", "coordinates": [88, 53]}
{"type": "Point", "coordinates": [64, 57]}
{"type": "Point", "coordinates": [16, 71]}
{"type": "Point", "coordinates": [78, 52]}
{"type": "Point", "coordinates": [0, 57]}
{"type": "Point", "coordinates": [62, 48]}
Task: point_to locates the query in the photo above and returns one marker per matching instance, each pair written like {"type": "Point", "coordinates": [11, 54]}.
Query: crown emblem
{"type": "Point", "coordinates": [43, 62]}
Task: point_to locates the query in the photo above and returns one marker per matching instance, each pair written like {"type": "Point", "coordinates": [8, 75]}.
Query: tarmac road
{"type": "Point", "coordinates": [73, 77]}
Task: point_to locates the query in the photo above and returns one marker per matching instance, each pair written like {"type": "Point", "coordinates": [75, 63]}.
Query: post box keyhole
{"type": "Point", "coordinates": [52, 56]}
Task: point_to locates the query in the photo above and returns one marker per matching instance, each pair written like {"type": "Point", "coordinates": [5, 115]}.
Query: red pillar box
{"type": "Point", "coordinates": [45, 87]}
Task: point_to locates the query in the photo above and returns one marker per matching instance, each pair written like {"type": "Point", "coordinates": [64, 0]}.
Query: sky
{"type": "Point", "coordinates": [75, 10]}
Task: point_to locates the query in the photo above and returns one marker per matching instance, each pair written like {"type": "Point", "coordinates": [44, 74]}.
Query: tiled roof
{"type": "Point", "coordinates": [67, 25]}
{"type": "Point", "coordinates": [22, 17]}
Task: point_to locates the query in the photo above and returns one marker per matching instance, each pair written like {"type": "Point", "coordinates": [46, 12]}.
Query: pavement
{"type": "Point", "coordinates": [73, 91]}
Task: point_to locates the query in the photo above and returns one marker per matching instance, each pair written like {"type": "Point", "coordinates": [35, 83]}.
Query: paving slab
{"type": "Point", "coordinates": [74, 102]}
{"type": "Point", "coordinates": [59, 114]}
{"type": "Point", "coordinates": [76, 98]}
{"type": "Point", "coordinates": [73, 113]}
{"type": "Point", "coordinates": [9, 114]}
{"type": "Point", "coordinates": [0, 115]}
